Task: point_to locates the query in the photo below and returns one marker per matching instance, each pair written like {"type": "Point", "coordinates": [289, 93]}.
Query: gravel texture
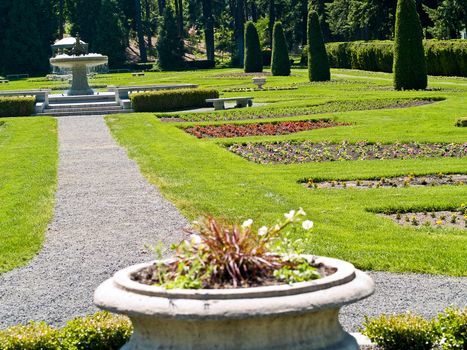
{"type": "Point", "coordinates": [105, 213]}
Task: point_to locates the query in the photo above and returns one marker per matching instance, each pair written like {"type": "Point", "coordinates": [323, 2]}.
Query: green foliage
{"type": "Point", "coordinates": [101, 331]}
{"type": "Point", "coordinates": [34, 336]}
{"type": "Point", "coordinates": [452, 325]}
{"type": "Point", "coordinates": [170, 48]}
{"type": "Point", "coordinates": [253, 54]}
{"type": "Point", "coordinates": [462, 122]}
{"type": "Point", "coordinates": [318, 64]}
{"type": "Point", "coordinates": [397, 332]}
{"type": "Point", "coordinates": [449, 18]}
{"type": "Point", "coordinates": [280, 62]}
{"type": "Point", "coordinates": [446, 58]}
{"type": "Point", "coordinates": [410, 68]}
{"type": "Point", "coordinates": [16, 106]}
{"type": "Point", "coordinates": [166, 100]}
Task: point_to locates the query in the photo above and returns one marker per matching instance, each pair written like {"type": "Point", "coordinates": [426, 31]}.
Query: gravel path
{"type": "Point", "coordinates": [105, 212]}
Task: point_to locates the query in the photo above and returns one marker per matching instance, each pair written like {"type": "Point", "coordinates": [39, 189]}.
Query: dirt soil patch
{"type": "Point", "coordinates": [392, 182]}
{"type": "Point", "coordinates": [259, 129]}
{"type": "Point", "coordinates": [448, 219]}
{"type": "Point", "coordinates": [294, 152]}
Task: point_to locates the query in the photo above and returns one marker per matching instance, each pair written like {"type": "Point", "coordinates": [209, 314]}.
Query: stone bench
{"type": "Point", "coordinates": [42, 97]}
{"type": "Point", "coordinates": [4, 81]}
{"type": "Point", "coordinates": [122, 93]}
{"type": "Point", "coordinates": [17, 76]}
{"type": "Point", "coordinates": [241, 102]}
{"type": "Point", "coordinates": [138, 74]}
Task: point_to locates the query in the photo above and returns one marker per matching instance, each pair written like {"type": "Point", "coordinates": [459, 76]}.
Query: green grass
{"type": "Point", "coordinates": [28, 163]}
{"type": "Point", "coordinates": [201, 176]}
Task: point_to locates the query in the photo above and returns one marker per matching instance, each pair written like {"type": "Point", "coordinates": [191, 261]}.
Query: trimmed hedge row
{"type": "Point", "coordinates": [408, 331]}
{"type": "Point", "coordinates": [17, 106]}
{"type": "Point", "coordinates": [167, 100]}
{"type": "Point", "coordinates": [101, 331]}
{"type": "Point", "coordinates": [444, 57]}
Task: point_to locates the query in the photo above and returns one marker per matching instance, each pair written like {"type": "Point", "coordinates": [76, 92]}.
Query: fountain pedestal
{"type": "Point", "coordinates": [80, 85]}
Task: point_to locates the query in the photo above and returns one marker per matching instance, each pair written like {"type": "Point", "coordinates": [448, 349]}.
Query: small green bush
{"type": "Point", "coordinates": [452, 326]}
{"type": "Point", "coordinates": [462, 122]}
{"type": "Point", "coordinates": [167, 100]}
{"type": "Point", "coordinates": [280, 63]}
{"type": "Point", "coordinates": [398, 332]}
{"type": "Point", "coordinates": [253, 55]}
{"type": "Point", "coordinates": [34, 336]}
{"type": "Point", "coordinates": [101, 331]}
{"type": "Point", "coordinates": [318, 63]}
{"type": "Point", "coordinates": [16, 106]}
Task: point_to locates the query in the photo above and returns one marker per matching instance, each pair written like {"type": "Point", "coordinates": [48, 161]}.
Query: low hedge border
{"type": "Point", "coordinates": [17, 106]}
{"type": "Point", "coordinates": [444, 57]}
{"type": "Point", "coordinates": [462, 122]}
{"type": "Point", "coordinates": [408, 331]}
{"type": "Point", "coordinates": [101, 331]}
{"type": "Point", "coordinates": [169, 100]}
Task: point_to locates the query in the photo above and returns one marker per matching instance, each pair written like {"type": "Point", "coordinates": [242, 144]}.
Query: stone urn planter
{"type": "Point", "coordinates": [259, 81]}
{"type": "Point", "coordinates": [295, 316]}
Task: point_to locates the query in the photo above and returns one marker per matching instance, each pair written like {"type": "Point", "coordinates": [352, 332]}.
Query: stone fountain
{"type": "Point", "coordinates": [79, 61]}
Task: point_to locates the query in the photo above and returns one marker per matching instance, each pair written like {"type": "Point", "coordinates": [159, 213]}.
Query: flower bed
{"type": "Point", "coordinates": [291, 152]}
{"type": "Point", "coordinates": [260, 129]}
{"type": "Point", "coordinates": [269, 88]}
{"type": "Point", "coordinates": [291, 111]}
{"type": "Point", "coordinates": [445, 218]}
{"type": "Point", "coordinates": [392, 182]}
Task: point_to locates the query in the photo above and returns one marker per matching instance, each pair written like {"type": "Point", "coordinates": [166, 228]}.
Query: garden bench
{"type": "Point", "coordinates": [17, 76]}
{"type": "Point", "coordinates": [218, 103]}
{"type": "Point", "coordinates": [4, 81]}
{"type": "Point", "coordinates": [138, 74]}
{"type": "Point", "coordinates": [122, 93]}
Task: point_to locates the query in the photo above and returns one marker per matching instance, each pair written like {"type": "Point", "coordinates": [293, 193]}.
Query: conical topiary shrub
{"type": "Point", "coordinates": [410, 70]}
{"type": "Point", "coordinates": [280, 63]}
{"type": "Point", "coordinates": [318, 63]}
{"type": "Point", "coordinates": [253, 54]}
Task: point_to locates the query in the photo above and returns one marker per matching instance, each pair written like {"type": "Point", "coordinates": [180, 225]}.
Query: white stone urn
{"type": "Point", "coordinates": [300, 316]}
{"type": "Point", "coordinates": [259, 81]}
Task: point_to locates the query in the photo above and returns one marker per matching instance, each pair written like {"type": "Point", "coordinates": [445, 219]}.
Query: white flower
{"type": "Point", "coordinates": [263, 231]}
{"type": "Point", "coordinates": [290, 215]}
{"type": "Point", "coordinates": [195, 239]}
{"type": "Point", "coordinates": [301, 212]}
{"type": "Point", "coordinates": [307, 224]}
{"type": "Point", "coordinates": [247, 223]}
{"type": "Point", "coordinates": [277, 227]}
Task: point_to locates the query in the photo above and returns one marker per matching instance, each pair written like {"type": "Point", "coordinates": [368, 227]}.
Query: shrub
{"type": "Point", "coordinates": [16, 106]}
{"type": "Point", "coordinates": [280, 63]}
{"type": "Point", "coordinates": [462, 122]}
{"type": "Point", "coordinates": [397, 332]}
{"type": "Point", "coordinates": [453, 328]}
{"type": "Point", "coordinates": [170, 49]}
{"type": "Point", "coordinates": [318, 64]}
{"type": "Point", "coordinates": [267, 57]}
{"type": "Point", "coordinates": [101, 331]}
{"type": "Point", "coordinates": [166, 100]}
{"type": "Point", "coordinates": [253, 55]}
{"type": "Point", "coordinates": [34, 336]}
{"type": "Point", "coordinates": [410, 70]}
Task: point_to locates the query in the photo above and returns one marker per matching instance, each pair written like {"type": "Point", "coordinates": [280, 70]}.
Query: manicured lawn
{"type": "Point", "coordinates": [201, 176]}
{"type": "Point", "coordinates": [28, 163]}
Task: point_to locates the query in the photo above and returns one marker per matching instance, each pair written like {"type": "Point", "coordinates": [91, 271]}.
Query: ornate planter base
{"type": "Point", "coordinates": [303, 316]}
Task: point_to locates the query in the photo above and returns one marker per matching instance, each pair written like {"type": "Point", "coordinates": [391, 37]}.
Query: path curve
{"type": "Point", "coordinates": [105, 211]}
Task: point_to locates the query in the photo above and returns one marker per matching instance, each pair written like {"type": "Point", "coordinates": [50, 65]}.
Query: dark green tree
{"type": "Point", "coordinates": [410, 70]}
{"type": "Point", "coordinates": [280, 62]}
{"type": "Point", "coordinates": [449, 18]}
{"type": "Point", "coordinates": [253, 55]}
{"type": "Point", "coordinates": [170, 49]}
{"type": "Point", "coordinates": [318, 63]}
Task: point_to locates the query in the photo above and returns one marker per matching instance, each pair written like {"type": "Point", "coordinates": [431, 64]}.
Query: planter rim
{"type": "Point", "coordinates": [345, 273]}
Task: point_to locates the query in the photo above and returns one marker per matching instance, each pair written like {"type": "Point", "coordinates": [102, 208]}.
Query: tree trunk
{"type": "Point", "coordinates": [239, 31]}
{"type": "Point", "coordinates": [179, 16]}
{"type": "Point", "coordinates": [272, 19]}
{"type": "Point", "coordinates": [147, 6]}
{"type": "Point", "coordinates": [61, 22]}
{"type": "Point", "coordinates": [304, 11]}
{"type": "Point", "coordinates": [139, 30]}
{"type": "Point", "coordinates": [254, 12]}
{"type": "Point", "coordinates": [161, 6]}
{"type": "Point", "coordinates": [208, 29]}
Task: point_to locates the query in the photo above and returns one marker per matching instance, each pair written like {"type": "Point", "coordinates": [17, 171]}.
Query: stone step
{"type": "Point", "coordinates": [80, 105]}
{"type": "Point", "coordinates": [101, 97]}
{"type": "Point", "coordinates": [83, 108]}
{"type": "Point", "coordinates": [54, 113]}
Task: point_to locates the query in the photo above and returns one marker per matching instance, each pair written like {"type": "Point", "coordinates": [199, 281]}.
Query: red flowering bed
{"type": "Point", "coordinates": [260, 129]}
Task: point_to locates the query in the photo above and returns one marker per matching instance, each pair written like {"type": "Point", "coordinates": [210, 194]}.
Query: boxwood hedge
{"type": "Point", "coordinates": [167, 100]}
{"type": "Point", "coordinates": [16, 106]}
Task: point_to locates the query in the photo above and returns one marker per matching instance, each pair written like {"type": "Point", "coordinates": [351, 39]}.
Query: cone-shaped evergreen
{"type": "Point", "coordinates": [280, 63]}
{"type": "Point", "coordinates": [318, 63]}
{"type": "Point", "coordinates": [170, 49]}
{"type": "Point", "coordinates": [253, 56]}
{"type": "Point", "coordinates": [410, 71]}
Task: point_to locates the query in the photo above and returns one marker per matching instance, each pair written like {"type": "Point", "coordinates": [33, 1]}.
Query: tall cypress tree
{"type": "Point", "coordinates": [410, 70]}
{"type": "Point", "coordinates": [170, 49]}
{"type": "Point", "coordinates": [318, 63]}
{"type": "Point", "coordinates": [253, 55]}
{"type": "Point", "coordinates": [280, 63]}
